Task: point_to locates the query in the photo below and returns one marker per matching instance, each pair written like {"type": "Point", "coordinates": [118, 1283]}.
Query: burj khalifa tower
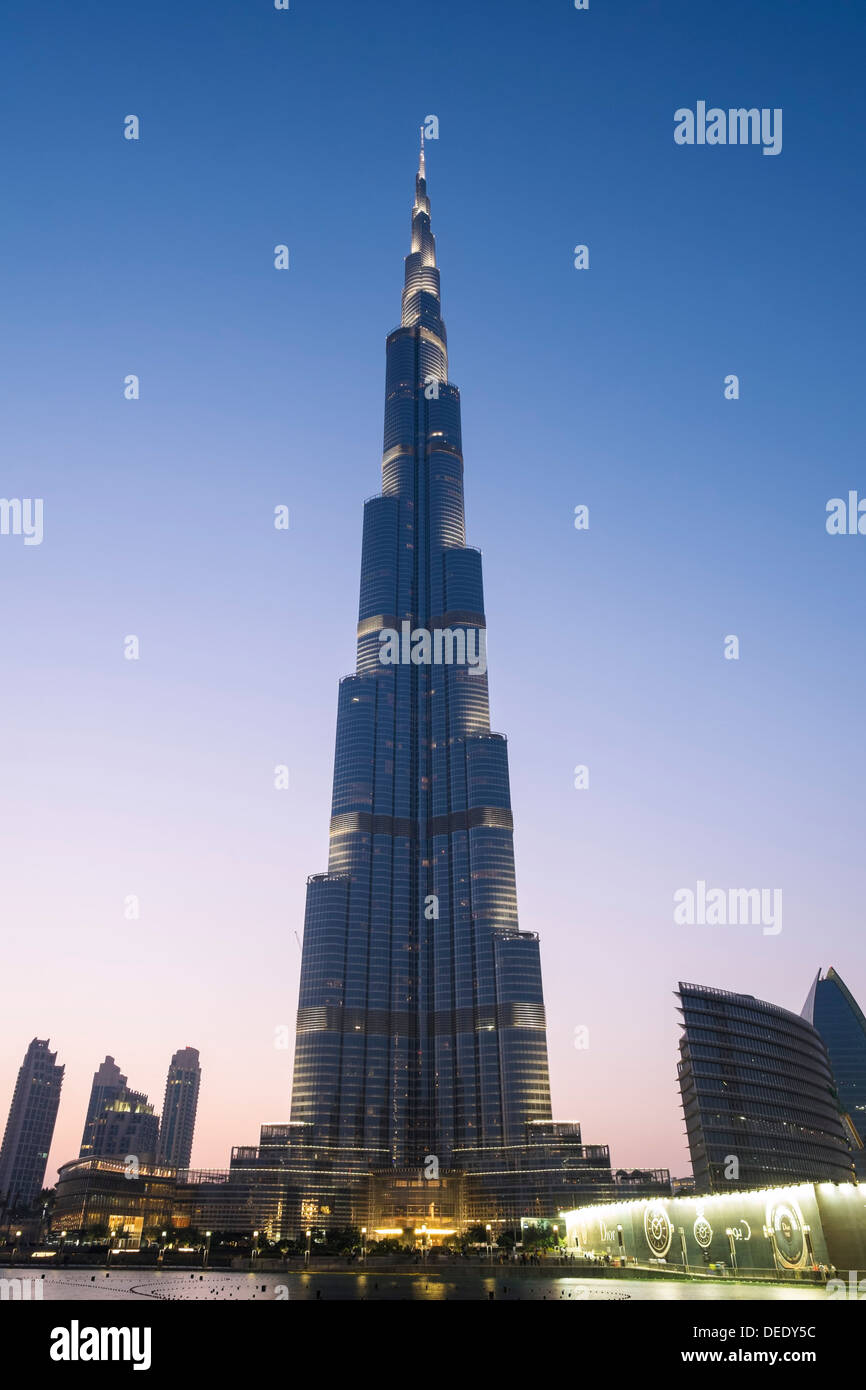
{"type": "Point", "coordinates": [420, 1026]}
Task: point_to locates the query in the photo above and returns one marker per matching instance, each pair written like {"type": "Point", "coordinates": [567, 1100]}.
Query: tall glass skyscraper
{"type": "Point", "coordinates": [177, 1126]}
{"type": "Point", "coordinates": [832, 1009]}
{"type": "Point", "coordinates": [421, 1026]}
{"type": "Point", "coordinates": [758, 1096]}
{"type": "Point", "coordinates": [30, 1126]}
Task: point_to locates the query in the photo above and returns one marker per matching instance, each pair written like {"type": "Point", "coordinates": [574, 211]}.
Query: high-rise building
{"type": "Point", "coordinates": [30, 1126]}
{"type": "Point", "coordinates": [108, 1084]}
{"type": "Point", "coordinates": [757, 1094]}
{"type": "Point", "coordinates": [126, 1126]}
{"type": "Point", "coordinates": [177, 1125]}
{"type": "Point", "coordinates": [421, 1026]}
{"type": "Point", "coordinates": [833, 1010]}
{"type": "Point", "coordinates": [119, 1121]}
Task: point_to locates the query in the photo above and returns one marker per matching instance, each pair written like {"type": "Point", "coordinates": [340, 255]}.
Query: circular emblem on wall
{"type": "Point", "coordinates": [703, 1232]}
{"type": "Point", "coordinates": [657, 1229]}
{"type": "Point", "coordinates": [785, 1220]}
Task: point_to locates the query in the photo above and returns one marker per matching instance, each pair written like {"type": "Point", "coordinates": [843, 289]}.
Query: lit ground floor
{"type": "Point", "coordinates": [785, 1231]}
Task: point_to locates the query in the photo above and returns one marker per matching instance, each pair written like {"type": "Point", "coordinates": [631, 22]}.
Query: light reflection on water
{"type": "Point", "coordinates": [183, 1285]}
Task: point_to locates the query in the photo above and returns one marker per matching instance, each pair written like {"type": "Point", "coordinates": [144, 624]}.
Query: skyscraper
{"type": "Point", "coordinates": [119, 1121]}
{"type": "Point", "coordinates": [177, 1125]}
{"type": "Point", "coordinates": [108, 1084]}
{"type": "Point", "coordinates": [833, 1010]}
{"type": "Point", "coordinates": [421, 1026]}
{"type": "Point", "coordinates": [757, 1093]}
{"type": "Point", "coordinates": [30, 1126]}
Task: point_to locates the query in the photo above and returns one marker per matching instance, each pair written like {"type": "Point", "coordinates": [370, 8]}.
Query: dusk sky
{"type": "Point", "coordinates": [259, 387]}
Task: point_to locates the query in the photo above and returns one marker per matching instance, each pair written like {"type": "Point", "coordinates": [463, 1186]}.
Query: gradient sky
{"type": "Point", "coordinates": [259, 387]}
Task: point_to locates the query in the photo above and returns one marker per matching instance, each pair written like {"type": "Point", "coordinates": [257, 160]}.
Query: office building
{"type": "Point", "coordinates": [757, 1094]}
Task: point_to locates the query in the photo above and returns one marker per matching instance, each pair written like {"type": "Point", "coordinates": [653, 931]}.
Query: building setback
{"type": "Point", "coordinates": [177, 1126]}
{"type": "Point", "coordinates": [421, 1028]}
{"type": "Point", "coordinates": [420, 1074]}
{"type": "Point", "coordinates": [260, 1193]}
{"type": "Point", "coordinates": [30, 1126]}
{"type": "Point", "coordinates": [833, 1010]}
{"type": "Point", "coordinates": [108, 1084]}
{"type": "Point", "coordinates": [119, 1121]}
{"type": "Point", "coordinates": [757, 1093]}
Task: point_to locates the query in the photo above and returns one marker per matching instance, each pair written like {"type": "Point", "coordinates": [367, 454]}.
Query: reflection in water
{"type": "Point", "coordinates": [468, 1285]}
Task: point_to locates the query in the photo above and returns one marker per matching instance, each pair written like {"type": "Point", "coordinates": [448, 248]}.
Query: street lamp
{"type": "Point", "coordinates": [489, 1242]}
{"type": "Point", "coordinates": [363, 1244]}
{"type": "Point", "coordinates": [207, 1248]}
{"type": "Point", "coordinates": [307, 1251]}
{"type": "Point", "coordinates": [255, 1244]}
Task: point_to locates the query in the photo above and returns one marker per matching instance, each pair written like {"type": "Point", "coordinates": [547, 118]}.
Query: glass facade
{"type": "Point", "coordinates": [108, 1086]}
{"type": "Point", "coordinates": [833, 1010]}
{"type": "Point", "coordinates": [119, 1121]}
{"type": "Point", "coordinates": [98, 1196]}
{"type": "Point", "coordinates": [177, 1126]}
{"type": "Point", "coordinates": [30, 1126]}
{"type": "Point", "coordinates": [757, 1093]}
{"type": "Point", "coordinates": [421, 1027]}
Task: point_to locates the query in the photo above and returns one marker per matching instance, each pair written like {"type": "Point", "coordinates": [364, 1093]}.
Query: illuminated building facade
{"type": "Point", "coordinates": [832, 1009]}
{"type": "Point", "coordinates": [790, 1232]}
{"type": "Point", "coordinates": [119, 1121]}
{"type": "Point", "coordinates": [757, 1093]}
{"type": "Point", "coordinates": [549, 1170]}
{"type": "Point", "coordinates": [98, 1197]}
{"type": "Point", "coordinates": [319, 1185]}
{"type": "Point", "coordinates": [421, 1025]}
{"type": "Point", "coordinates": [127, 1125]}
{"type": "Point", "coordinates": [30, 1126]}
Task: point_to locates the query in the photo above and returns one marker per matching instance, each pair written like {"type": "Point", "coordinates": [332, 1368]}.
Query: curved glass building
{"type": "Point", "coordinates": [832, 1009]}
{"type": "Point", "coordinates": [420, 1027]}
{"type": "Point", "coordinates": [758, 1094]}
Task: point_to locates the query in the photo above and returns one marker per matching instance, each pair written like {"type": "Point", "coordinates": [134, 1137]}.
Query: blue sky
{"type": "Point", "coordinates": [602, 387]}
